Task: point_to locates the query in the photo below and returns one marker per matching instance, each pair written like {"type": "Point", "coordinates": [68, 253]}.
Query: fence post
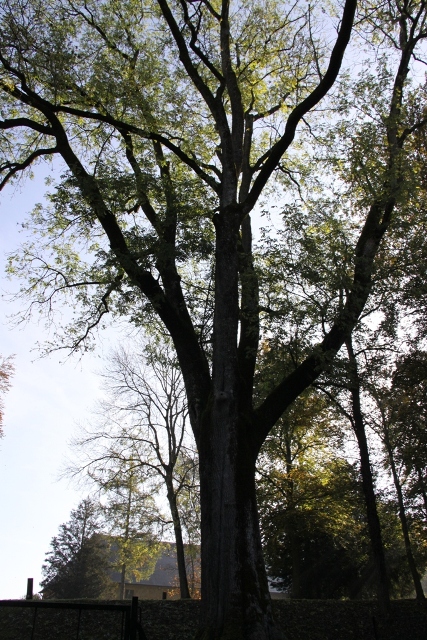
{"type": "Point", "coordinates": [29, 595]}
{"type": "Point", "coordinates": [133, 618]}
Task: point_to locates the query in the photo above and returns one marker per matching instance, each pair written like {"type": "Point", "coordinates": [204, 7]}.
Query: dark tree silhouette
{"type": "Point", "coordinates": [77, 565]}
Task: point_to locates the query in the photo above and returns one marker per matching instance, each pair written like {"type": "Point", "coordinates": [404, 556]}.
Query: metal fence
{"type": "Point", "coordinates": [131, 627]}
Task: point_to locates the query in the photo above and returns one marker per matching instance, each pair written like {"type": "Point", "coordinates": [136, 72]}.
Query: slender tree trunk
{"type": "Point", "coordinates": [296, 564]}
{"type": "Point", "coordinates": [374, 525]}
{"type": "Point", "coordinates": [126, 535]}
{"type": "Point", "coordinates": [122, 583]}
{"type": "Point", "coordinates": [404, 522]}
{"type": "Point", "coordinates": [180, 554]}
{"type": "Point", "coordinates": [291, 528]}
{"type": "Point", "coordinates": [422, 488]}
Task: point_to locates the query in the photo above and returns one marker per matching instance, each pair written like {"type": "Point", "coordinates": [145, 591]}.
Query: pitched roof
{"type": "Point", "coordinates": [165, 573]}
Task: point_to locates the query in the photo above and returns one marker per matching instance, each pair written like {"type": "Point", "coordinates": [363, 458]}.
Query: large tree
{"type": "Point", "coordinates": [173, 119]}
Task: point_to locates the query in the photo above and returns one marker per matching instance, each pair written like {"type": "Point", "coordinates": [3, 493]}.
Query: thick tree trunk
{"type": "Point", "coordinates": [235, 598]}
{"type": "Point", "coordinates": [374, 525]}
{"type": "Point", "coordinates": [180, 554]}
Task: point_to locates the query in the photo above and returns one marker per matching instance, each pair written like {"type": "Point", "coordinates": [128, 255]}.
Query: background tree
{"type": "Point", "coordinates": [358, 424]}
{"type": "Point", "coordinates": [131, 519]}
{"type": "Point", "coordinates": [408, 413]}
{"type": "Point", "coordinates": [308, 498]}
{"type": "Point", "coordinates": [400, 426]}
{"type": "Point", "coordinates": [389, 442]}
{"type": "Point", "coordinates": [312, 506]}
{"type": "Point", "coordinates": [144, 432]}
{"type": "Point", "coordinates": [77, 565]}
{"type": "Point", "coordinates": [317, 545]}
{"type": "Point", "coordinates": [189, 510]}
{"type": "Point", "coordinates": [172, 120]}
{"type": "Point", "coordinates": [313, 279]}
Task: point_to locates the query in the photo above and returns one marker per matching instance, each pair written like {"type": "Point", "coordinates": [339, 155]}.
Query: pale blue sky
{"type": "Point", "coordinates": [42, 409]}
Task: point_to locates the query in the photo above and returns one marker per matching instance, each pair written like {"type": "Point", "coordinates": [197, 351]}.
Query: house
{"type": "Point", "coordinates": [164, 581]}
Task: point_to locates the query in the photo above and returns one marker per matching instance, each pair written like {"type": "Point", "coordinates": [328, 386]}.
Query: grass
{"type": "Point", "coordinates": [178, 620]}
